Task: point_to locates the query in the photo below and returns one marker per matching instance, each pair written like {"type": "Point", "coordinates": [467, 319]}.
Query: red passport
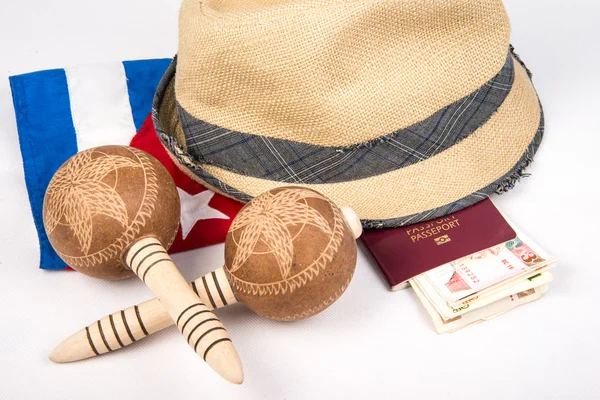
{"type": "Point", "coordinates": [405, 252]}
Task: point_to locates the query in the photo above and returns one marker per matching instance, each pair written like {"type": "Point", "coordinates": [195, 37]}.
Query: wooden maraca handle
{"type": "Point", "coordinates": [122, 328]}
{"type": "Point", "coordinates": [134, 323]}
{"type": "Point", "coordinates": [204, 332]}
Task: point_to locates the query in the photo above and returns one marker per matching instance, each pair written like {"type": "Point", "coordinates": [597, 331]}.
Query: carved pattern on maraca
{"type": "Point", "coordinates": [77, 193]}
{"type": "Point", "coordinates": [266, 219]}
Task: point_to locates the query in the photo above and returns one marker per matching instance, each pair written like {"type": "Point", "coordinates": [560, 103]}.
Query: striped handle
{"type": "Point", "coordinates": [113, 332]}
{"type": "Point", "coordinates": [122, 328]}
{"type": "Point", "coordinates": [214, 289]}
{"type": "Point", "coordinates": [201, 328]}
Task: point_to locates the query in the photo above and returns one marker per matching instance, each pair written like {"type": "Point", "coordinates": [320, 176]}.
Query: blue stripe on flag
{"type": "Point", "coordinates": [142, 79]}
{"type": "Point", "coordinates": [47, 139]}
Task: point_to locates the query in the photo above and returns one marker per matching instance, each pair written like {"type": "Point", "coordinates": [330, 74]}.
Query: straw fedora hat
{"type": "Point", "coordinates": [405, 110]}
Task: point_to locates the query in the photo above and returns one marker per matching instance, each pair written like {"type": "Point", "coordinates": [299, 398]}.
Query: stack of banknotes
{"type": "Point", "coordinates": [485, 284]}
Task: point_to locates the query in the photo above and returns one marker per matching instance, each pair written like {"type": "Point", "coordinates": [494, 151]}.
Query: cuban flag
{"type": "Point", "coordinates": [62, 111]}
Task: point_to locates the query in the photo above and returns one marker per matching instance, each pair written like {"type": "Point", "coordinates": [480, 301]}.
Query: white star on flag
{"type": "Point", "coordinates": [195, 208]}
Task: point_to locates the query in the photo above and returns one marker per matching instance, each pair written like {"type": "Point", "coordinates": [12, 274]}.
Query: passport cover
{"type": "Point", "coordinates": [405, 252]}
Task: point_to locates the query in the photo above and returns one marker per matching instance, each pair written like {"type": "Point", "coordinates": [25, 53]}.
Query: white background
{"type": "Point", "coordinates": [372, 342]}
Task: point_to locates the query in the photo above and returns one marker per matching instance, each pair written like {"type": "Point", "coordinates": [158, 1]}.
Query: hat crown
{"type": "Point", "coordinates": [233, 7]}
{"type": "Point", "coordinates": [333, 73]}
{"type": "Point", "coordinates": [405, 110]}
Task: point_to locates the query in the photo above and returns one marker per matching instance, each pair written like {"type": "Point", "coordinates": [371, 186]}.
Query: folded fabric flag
{"type": "Point", "coordinates": [60, 112]}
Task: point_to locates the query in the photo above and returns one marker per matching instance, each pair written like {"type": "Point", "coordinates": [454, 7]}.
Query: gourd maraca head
{"type": "Point", "coordinates": [101, 200]}
{"type": "Point", "coordinates": [289, 254]}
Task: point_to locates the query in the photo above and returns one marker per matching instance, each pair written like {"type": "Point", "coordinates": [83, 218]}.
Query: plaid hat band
{"type": "Point", "coordinates": [297, 162]}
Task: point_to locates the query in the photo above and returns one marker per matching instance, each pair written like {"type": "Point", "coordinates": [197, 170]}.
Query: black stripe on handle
{"type": "Point", "coordinates": [198, 326]}
{"type": "Point", "coordinates": [114, 328]}
{"type": "Point", "coordinates": [219, 288]}
{"type": "Point", "coordinates": [89, 338]}
{"type": "Point", "coordinates": [190, 318]}
{"type": "Point", "coordinates": [152, 265]}
{"type": "Point", "coordinates": [127, 326]}
{"type": "Point", "coordinates": [102, 336]}
{"type": "Point", "coordinates": [139, 318]}
{"type": "Point", "coordinates": [146, 257]}
{"type": "Point", "coordinates": [208, 293]}
{"type": "Point", "coordinates": [187, 309]}
{"type": "Point", "coordinates": [138, 252]}
{"type": "Point", "coordinates": [216, 328]}
{"type": "Point", "coordinates": [213, 345]}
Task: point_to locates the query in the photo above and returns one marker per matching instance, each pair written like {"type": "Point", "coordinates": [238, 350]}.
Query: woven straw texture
{"type": "Point", "coordinates": [474, 163]}
{"type": "Point", "coordinates": [298, 162]}
{"type": "Point", "coordinates": [334, 73]}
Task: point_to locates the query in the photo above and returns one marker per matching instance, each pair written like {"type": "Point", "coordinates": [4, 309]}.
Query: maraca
{"type": "Point", "coordinates": [289, 254]}
{"type": "Point", "coordinates": [110, 212]}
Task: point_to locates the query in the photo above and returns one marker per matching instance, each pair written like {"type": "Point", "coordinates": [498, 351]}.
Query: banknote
{"type": "Point", "coordinates": [466, 278]}
{"type": "Point", "coordinates": [448, 311]}
{"type": "Point", "coordinates": [481, 314]}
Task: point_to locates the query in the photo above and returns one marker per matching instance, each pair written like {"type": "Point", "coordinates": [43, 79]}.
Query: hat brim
{"type": "Point", "coordinates": [489, 160]}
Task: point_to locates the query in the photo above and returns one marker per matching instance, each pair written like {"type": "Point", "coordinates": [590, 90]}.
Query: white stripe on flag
{"type": "Point", "coordinates": [100, 105]}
